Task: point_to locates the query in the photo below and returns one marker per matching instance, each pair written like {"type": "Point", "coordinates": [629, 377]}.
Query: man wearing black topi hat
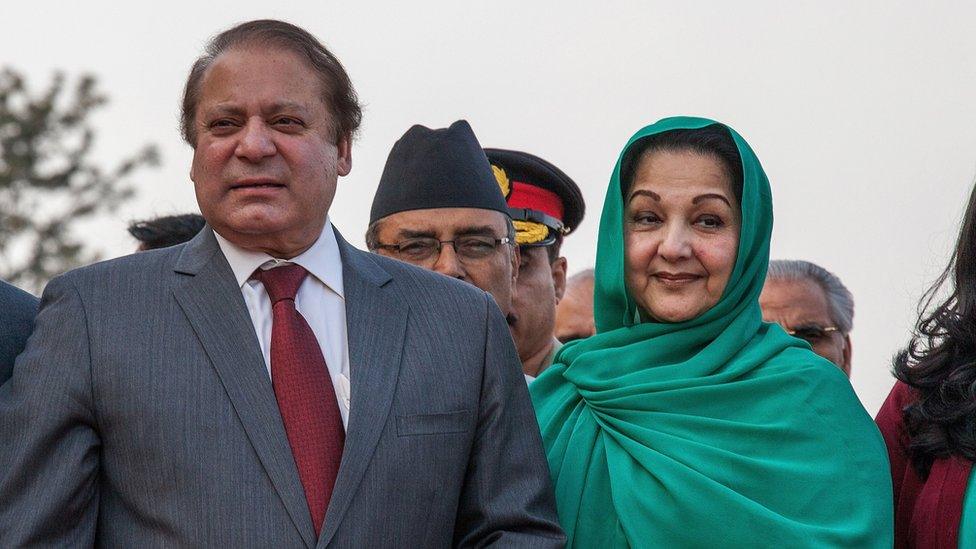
{"type": "Point", "coordinates": [545, 205]}
{"type": "Point", "coordinates": [438, 206]}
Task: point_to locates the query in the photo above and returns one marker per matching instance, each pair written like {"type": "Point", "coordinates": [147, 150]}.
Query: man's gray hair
{"type": "Point", "coordinates": [839, 298]}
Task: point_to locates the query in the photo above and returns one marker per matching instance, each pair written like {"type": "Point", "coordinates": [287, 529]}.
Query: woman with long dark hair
{"type": "Point", "coordinates": [929, 419]}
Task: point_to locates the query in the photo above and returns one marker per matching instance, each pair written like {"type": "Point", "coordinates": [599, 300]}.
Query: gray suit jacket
{"type": "Point", "coordinates": [17, 310]}
{"type": "Point", "coordinates": [141, 415]}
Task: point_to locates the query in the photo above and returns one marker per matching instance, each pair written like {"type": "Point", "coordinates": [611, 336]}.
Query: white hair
{"type": "Point", "coordinates": [839, 298]}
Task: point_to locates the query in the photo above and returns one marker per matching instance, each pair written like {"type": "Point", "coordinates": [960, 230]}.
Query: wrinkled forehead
{"type": "Point", "coordinates": [681, 175]}
{"type": "Point", "coordinates": [246, 64]}
{"type": "Point", "coordinates": [795, 301]}
{"type": "Point", "coordinates": [445, 223]}
{"type": "Point", "coordinates": [246, 74]}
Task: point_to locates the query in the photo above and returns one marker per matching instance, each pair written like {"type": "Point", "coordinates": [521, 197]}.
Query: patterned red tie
{"type": "Point", "coordinates": [303, 388]}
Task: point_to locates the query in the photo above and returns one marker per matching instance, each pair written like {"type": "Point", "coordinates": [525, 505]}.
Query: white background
{"type": "Point", "coordinates": [863, 113]}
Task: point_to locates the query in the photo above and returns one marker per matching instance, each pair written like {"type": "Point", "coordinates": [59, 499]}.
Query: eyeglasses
{"type": "Point", "coordinates": [469, 249]}
{"type": "Point", "coordinates": [813, 334]}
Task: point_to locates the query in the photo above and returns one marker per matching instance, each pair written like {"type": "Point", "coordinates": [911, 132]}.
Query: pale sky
{"type": "Point", "coordinates": [862, 113]}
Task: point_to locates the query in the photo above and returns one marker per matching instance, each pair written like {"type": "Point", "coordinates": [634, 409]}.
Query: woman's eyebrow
{"type": "Point", "coordinates": [701, 197]}
{"type": "Point", "coordinates": [643, 192]}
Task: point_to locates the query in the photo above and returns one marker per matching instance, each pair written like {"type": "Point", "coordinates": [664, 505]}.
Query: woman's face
{"type": "Point", "coordinates": [681, 234]}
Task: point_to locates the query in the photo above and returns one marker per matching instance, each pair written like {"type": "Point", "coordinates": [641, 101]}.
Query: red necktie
{"type": "Point", "coordinates": [303, 388]}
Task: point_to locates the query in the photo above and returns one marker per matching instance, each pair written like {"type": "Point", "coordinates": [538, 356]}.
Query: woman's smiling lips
{"type": "Point", "coordinates": [675, 279]}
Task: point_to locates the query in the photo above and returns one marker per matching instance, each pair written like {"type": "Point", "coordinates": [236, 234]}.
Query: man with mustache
{"type": "Point", "coordinates": [811, 303]}
{"type": "Point", "coordinates": [438, 207]}
{"type": "Point", "coordinates": [266, 384]}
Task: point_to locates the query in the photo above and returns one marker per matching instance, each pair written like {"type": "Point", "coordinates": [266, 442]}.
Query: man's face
{"type": "Point", "coordinates": [265, 163]}
{"type": "Point", "coordinates": [540, 287]}
{"type": "Point", "coordinates": [494, 274]}
{"type": "Point", "coordinates": [574, 315]}
{"type": "Point", "coordinates": [801, 305]}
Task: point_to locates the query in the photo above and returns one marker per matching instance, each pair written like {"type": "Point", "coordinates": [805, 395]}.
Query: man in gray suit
{"type": "Point", "coordinates": [17, 310]}
{"type": "Point", "coordinates": [266, 384]}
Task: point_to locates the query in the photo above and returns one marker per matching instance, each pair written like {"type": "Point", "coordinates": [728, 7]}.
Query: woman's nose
{"type": "Point", "coordinates": [676, 243]}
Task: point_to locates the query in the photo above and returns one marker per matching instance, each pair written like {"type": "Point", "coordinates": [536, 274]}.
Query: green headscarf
{"type": "Point", "coordinates": [721, 431]}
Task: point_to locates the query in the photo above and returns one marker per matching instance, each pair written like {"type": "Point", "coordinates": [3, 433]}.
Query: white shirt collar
{"type": "Point", "coordinates": [322, 260]}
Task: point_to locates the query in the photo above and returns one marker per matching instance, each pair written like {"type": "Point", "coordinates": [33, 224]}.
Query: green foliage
{"type": "Point", "coordinates": [48, 183]}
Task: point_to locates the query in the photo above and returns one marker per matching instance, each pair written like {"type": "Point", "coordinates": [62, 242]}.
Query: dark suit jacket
{"type": "Point", "coordinates": [159, 426]}
{"type": "Point", "coordinates": [17, 310]}
{"type": "Point", "coordinates": [927, 511]}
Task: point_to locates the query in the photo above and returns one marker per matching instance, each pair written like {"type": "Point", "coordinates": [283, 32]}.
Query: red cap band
{"type": "Point", "coordinates": [531, 197]}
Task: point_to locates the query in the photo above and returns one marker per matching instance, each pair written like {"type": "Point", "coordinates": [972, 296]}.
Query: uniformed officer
{"type": "Point", "coordinates": [545, 205]}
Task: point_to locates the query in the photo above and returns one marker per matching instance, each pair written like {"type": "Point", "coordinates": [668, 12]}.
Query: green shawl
{"type": "Point", "coordinates": [721, 431]}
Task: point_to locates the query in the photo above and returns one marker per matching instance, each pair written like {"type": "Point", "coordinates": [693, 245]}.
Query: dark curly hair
{"type": "Point", "coordinates": [939, 362]}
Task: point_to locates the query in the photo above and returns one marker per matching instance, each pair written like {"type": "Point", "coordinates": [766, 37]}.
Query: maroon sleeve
{"type": "Point", "coordinates": [905, 483]}
{"type": "Point", "coordinates": [927, 515]}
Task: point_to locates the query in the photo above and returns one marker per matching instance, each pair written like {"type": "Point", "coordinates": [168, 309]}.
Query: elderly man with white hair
{"type": "Point", "coordinates": [811, 303]}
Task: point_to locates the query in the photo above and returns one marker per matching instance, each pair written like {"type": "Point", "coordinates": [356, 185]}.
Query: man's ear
{"type": "Point", "coordinates": [559, 277]}
{"type": "Point", "coordinates": [344, 159]}
{"type": "Point", "coordinates": [846, 367]}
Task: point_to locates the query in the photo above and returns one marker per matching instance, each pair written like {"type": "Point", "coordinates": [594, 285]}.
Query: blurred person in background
{"type": "Point", "coordinates": [929, 418]}
{"type": "Point", "coordinates": [545, 205]}
{"type": "Point", "coordinates": [17, 310]}
{"type": "Point", "coordinates": [574, 314]}
{"type": "Point", "coordinates": [811, 303]}
{"type": "Point", "coordinates": [166, 231]}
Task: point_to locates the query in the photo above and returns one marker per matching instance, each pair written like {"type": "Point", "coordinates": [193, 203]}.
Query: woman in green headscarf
{"type": "Point", "coordinates": [686, 421]}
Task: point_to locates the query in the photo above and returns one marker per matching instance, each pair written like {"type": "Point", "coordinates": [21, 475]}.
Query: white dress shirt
{"type": "Point", "coordinates": [320, 300]}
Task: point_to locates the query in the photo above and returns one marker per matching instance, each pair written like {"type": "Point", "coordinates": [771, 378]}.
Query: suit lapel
{"type": "Point", "coordinates": [212, 302]}
{"type": "Point", "coordinates": [376, 324]}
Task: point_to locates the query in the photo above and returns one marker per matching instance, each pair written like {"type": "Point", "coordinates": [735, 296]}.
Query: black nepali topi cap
{"type": "Point", "coordinates": [442, 168]}
{"type": "Point", "coordinates": [542, 200]}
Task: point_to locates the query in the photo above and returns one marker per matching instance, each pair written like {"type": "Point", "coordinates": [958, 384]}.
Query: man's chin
{"type": "Point", "coordinates": [249, 235]}
{"type": "Point", "coordinates": [257, 229]}
{"type": "Point", "coordinates": [257, 220]}
{"type": "Point", "coordinates": [250, 229]}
